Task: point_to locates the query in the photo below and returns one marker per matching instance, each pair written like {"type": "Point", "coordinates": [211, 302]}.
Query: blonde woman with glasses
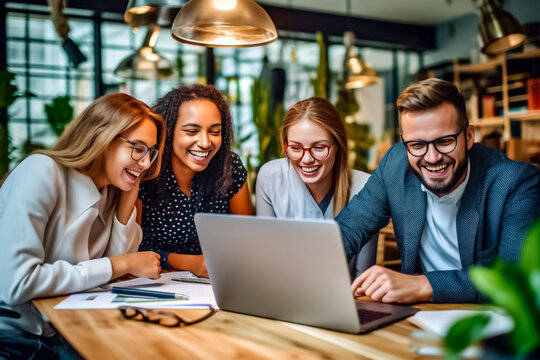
{"type": "Point", "coordinates": [68, 217]}
{"type": "Point", "coordinates": [313, 181]}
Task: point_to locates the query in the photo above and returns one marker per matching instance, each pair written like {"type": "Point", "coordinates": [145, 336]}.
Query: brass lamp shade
{"type": "Point", "coordinates": [146, 63]}
{"type": "Point", "coordinates": [358, 72]}
{"type": "Point", "coordinates": [142, 12]}
{"type": "Point", "coordinates": [499, 30]}
{"type": "Point", "coordinates": [223, 23]}
{"type": "Point", "coordinates": [151, 12]}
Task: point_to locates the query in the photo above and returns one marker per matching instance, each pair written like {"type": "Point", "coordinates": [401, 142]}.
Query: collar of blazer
{"type": "Point", "coordinates": [82, 193]}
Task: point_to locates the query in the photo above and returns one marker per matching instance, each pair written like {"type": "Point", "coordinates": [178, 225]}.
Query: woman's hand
{"type": "Point", "coordinates": [127, 202]}
{"type": "Point", "coordinates": [193, 263]}
{"type": "Point", "coordinates": [139, 264]}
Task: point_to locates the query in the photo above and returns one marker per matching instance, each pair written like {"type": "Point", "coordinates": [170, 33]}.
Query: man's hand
{"type": "Point", "coordinates": [388, 286]}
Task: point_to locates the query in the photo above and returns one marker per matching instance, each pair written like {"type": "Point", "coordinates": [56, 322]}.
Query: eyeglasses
{"type": "Point", "coordinates": [318, 152]}
{"type": "Point", "coordinates": [162, 318]}
{"type": "Point", "coordinates": [140, 150]}
{"type": "Point", "coordinates": [444, 144]}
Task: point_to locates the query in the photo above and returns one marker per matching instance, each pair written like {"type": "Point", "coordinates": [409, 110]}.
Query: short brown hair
{"type": "Point", "coordinates": [429, 94]}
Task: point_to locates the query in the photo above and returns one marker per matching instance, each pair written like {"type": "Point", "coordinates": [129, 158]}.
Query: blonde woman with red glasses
{"type": "Point", "coordinates": [313, 181]}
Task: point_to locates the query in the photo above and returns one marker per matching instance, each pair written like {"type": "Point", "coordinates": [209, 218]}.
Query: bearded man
{"type": "Point", "coordinates": [454, 203]}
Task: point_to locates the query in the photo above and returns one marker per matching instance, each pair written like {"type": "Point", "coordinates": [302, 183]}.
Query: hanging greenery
{"type": "Point", "coordinates": [59, 113]}
{"type": "Point", "coordinates": [320, 83]}
{"type": "Point", "coordinates": [267, 119]}
{"type": "Point", "coordinates": [8, 95]}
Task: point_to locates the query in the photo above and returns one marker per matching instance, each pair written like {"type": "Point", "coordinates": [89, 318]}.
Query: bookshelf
{"type": "Point", "coordinates": [505, 89]}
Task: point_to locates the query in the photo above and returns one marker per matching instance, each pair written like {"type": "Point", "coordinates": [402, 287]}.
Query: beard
{"type": "Point", "coordinates": [438, 186]}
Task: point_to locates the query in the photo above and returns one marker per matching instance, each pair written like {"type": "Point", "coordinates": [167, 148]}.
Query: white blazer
{"type": "Point", "coordinates": [57, 232]}
{"type": "Point", "coordinates": [281, 193]}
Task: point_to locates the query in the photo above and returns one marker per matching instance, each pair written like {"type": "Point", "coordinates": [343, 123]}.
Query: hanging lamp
{"type": "Point", "coordinates": [358, 72]}
{"type": "Point", "coordinates": [223, 23]}
{"type": "Point", "coordinates": [142, 12]}
{"type": "Point", "coordinates": [146, 63]}
{"type": "Point", "coordinates": [499, 30]}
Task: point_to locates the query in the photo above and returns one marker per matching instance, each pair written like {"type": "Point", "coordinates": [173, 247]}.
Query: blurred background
{"type": "Point", "coordinates": [57, 56]}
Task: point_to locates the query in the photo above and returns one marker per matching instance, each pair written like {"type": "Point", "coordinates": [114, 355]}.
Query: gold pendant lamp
{"type": "Point", "coordinates": [223, 23]}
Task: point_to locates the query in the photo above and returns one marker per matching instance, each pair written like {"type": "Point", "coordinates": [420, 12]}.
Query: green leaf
{"type": "Point", "coordinates": [530, 254]}
{"type": "Point", "coordinates": [508, 287]}
{"type": "Point", "coordinates": [247, 137]}
{"type": "Point", "coordinates": [59, 113]}
{"type": "Point", "coordinates": [464, 333]}
{"type": "Point", "coordinates": [4, 150]}
{"type": "Point", "coordinates": [7, 88]}
{"type": "Point", "coordinates": [534, 283]}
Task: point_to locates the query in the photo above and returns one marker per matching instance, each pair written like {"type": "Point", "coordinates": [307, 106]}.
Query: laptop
{"type": "Point", "coordinates": [285, 269]}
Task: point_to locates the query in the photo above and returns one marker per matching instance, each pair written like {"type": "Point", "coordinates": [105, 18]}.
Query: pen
{"type": "Point", "coordinates": [192, 280]}
{"type": "Point", "coordinates": [152, 300]}
{"type": "Point", "coordinates": [152, 293]}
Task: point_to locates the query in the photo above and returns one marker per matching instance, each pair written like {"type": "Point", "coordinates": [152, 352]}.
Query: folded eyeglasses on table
{"type": "Point", "coordinates": [162, 318]}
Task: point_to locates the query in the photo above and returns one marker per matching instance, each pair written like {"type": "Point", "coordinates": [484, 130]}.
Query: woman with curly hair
{"type": "Point", "coordinates": [200, 173]}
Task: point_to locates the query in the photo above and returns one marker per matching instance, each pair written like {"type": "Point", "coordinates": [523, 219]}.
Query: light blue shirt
{"type": "Point", "coordinates": [439, 249]}
{"type": "Point", "coordinates": [282, 194]}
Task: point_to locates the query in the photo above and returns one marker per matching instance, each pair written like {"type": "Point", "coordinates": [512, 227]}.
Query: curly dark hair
{"type": "Point", "coordinates": [217, 177]}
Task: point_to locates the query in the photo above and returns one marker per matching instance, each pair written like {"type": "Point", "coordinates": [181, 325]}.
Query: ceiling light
{"type": "Point", "coordinates": [500, 31]}
{"type": "Point", "coordinates": [223, 23]}
{"type": "Point", "coordinates": [146, 63]}
{"type": "Point", "coordinates": [358, 72]}
{"type": "Point", "coordinates": [142, 12]}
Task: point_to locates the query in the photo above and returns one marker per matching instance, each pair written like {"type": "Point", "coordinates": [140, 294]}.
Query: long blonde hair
{"type": "Point", "coordinates": [83, 143]}
{"type": "Point", "coordinates": [323, 113]}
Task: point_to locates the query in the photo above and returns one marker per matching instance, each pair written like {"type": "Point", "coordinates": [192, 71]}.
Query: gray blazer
{"type": "Point", "coordinates": [500, 202]}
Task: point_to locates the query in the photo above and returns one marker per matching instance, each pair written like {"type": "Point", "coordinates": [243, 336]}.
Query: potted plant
{"type": "Point", "coordinates": [514, 287]}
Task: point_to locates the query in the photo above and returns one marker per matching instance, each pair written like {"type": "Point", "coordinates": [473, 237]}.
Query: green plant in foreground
{"type": "Point", "coordinates": [512, 287]}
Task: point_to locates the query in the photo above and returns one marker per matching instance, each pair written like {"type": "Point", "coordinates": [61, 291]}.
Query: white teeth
{"type": "Point", "coordinates": [134, 173]}
{"type": "Point", "coordinates": [199, 153]}
{"type": "Point", "coordinates": [436, 168]}
{"type": "Point", "coordinates": [310, 169]}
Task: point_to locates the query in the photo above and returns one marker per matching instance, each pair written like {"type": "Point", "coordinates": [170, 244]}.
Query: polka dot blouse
{"type": "Point", "coordinates": [168, 223]}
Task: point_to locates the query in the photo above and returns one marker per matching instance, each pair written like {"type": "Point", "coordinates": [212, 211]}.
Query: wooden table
{"type": "Point", "coordinates": [105, 334]}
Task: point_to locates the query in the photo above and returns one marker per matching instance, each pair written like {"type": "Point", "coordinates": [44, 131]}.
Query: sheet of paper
{"type": "Point", "coordinates": [200, 295]}
{"type": "Point", "coordinates": [439, 322]}
{"type": "Point", "coordinates": [165, 279]}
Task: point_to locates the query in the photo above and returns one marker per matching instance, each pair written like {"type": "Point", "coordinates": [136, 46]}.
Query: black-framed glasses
{"type": "Point", "coordinates": [444, 144]}
{"type": "Point", "coordinates": [318, 152]}
{"type": "Point", "coordinates": [162, 318]}
{"type": "Point", "coordinates": [139, 150]}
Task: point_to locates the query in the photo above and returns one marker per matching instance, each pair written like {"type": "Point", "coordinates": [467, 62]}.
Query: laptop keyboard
{"type": "Point", "coordinates": [367, 316]}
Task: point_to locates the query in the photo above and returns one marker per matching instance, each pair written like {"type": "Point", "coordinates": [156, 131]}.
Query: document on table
{"type": "Point", "coordinates": [439, 322]}
{"type": "Point", "coordinates": [200, 295]}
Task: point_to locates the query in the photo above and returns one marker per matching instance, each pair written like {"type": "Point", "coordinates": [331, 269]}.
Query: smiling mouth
{"type": "Point", "coordinates": [133, 174]}
{"type": "Point", "coordinates": [200, 155]}
{"type": "Point", "coordinates": [310, 170]}
{"type": "Point", "coordinates": [437, 169]}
